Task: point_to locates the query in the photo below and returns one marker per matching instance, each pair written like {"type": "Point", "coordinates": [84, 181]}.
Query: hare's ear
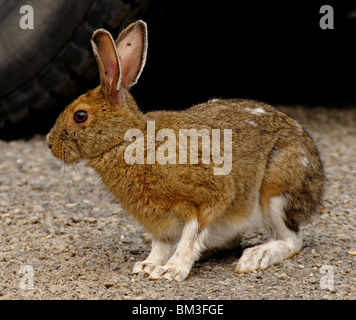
{"type": "Point", "coordinates": [131, 46]}
{"type": "Point", "coordinates": [109, 63]}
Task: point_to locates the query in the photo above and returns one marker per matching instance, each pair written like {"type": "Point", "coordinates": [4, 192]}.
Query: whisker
{"type": "Point", "coordinates": [67, 174]}
{"type": "Point", "coordinates": [77, 172]}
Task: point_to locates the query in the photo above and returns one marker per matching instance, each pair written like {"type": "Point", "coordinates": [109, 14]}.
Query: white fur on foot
{"type": "Point", "coordinates": [188, 249]}
{"type": "Point", "coordinates": [265, 255]}
{"type": "Point", "coordinates": [170, 273]}
{"type": "Point", "coordinates": [159, 255]}
{"type": "Point", "coordinates": [143, 267]}
{"type": "Point", "coordinates": [288, 244]}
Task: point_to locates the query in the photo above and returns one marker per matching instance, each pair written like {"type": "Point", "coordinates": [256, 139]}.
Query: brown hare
{"type": "Point", "coordinates": [273, 176]}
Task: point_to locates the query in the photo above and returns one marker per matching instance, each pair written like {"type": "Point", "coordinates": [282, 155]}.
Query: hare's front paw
{"type": "Point", "coordinates": [143, 267]}
{"type": "Point", "coordinates": [169, 272]}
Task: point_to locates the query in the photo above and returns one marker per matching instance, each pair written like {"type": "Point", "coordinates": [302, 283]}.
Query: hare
{"type": "Point", "coordinates": [275, 181]}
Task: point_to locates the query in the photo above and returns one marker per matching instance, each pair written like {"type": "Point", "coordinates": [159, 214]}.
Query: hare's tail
{"type": "Point", "coordinates": [296, 173]}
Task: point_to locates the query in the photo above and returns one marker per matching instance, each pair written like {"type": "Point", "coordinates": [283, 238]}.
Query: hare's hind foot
{"type": "Point", "coordinates": [267, 254]}
{"type": "Point", "coordinates": [287, 243]}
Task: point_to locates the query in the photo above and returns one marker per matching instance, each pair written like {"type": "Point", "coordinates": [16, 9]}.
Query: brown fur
{"type": "Point", "coordinates": [267, 155]}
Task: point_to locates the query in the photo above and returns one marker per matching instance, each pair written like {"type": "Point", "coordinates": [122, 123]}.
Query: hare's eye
{"type": "Point", "coordinates": [80, 116]}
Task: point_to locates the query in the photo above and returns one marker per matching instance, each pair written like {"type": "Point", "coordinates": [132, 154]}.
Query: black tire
{"type": "Point", "coordinates": [46, 67]}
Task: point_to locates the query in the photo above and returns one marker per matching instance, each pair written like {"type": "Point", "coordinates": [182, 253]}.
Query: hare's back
{"type": "Point", "coordinates": [243, 114]}
{"type": "Point", "coordinates": [246, 117]}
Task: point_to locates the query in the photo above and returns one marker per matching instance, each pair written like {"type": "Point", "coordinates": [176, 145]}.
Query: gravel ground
{"type": "Point", "coordinates": [60, 225]}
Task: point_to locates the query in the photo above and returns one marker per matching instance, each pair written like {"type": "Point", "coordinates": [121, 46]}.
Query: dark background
{"type": "Point", "coordinates": [270, 51]}
{"type": "Point", "coordinates": [198, 50]}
